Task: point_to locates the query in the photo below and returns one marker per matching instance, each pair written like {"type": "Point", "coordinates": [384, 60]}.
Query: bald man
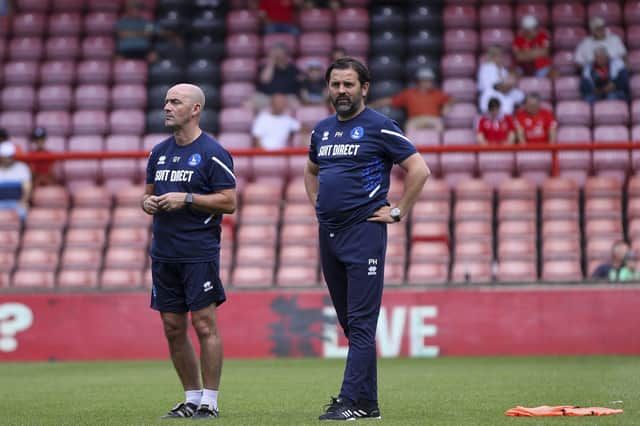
{"type": "Point", "coordinates": [190, 185]}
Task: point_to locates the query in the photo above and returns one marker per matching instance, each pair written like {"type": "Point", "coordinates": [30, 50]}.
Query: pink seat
{"type": "Point", "coordinates": [46, 239]}
{"type": "Point", "coordinates": [632, 34]}
{"type": "Point", "coordinates": [541, 85]}
{"type": "Point", "coordinates": [474, 210]}
{"type": "Point", "coordinates": [459, 65]}
{"type": "Point", "coordinates": [516, 229]}
{"type": "Point", "coordinates": [561, 270]}
{"type": "Point", "coordinates": [560, 187]}
{"type": "Point", "coordinates": [82, 258]}
{"type": "Point", "coordinates": [242, 21]}
{"type": "Point", "coordinates": [315, 43]}
{"type": "Point", "coordinates": [298, 254]}
{"type": "Point", "coordinates": [517, 249]}
{"type": "Point", "coordinates": [460, 163]}
{"type": "Point", "coordinates": [235, 120]}
{"type": "Point", "coordinates": [461, 40]}
{"type": "Point", "coordinates": [129, 217]}
{"type": "Point", "coordinates": [431, 211]}
{"type": "Point", "coordinates": [239, 69]}
{"type": "Point", "coordinates": [352, 18]}
{"type": "Point", "coordinates": [90, 122]}
{"type": "Point", "coordinates": [9, 240]}
{"type": "Point", "coordinates": [561, 248]}
{"type": "Point", "coordinates": [517, 271]}
{"type": "Point", "coordinates": [429, 252]}
{"type": "Point", "coordinates": [609, 112]}
{"type": "Point", "coordinates": [631, 13]}
{"type": "Point", "coordinates": [568, 37]}
{"type": "Point", "coordinates": [602, 187]}
{"type": "Point", "coordinates": [473, 230]}
{"type": "Point", "coordinates": [428, 273]}
{"type": "Point", "coordinates": [516, 209]}
{"type": "Point", "coordinates": [7, 261]}
{"type": "Point", "coordinates": [235, 94]}
{"type": "Point", "coordinates": [462, 89]}
{"type": "Point", "coordinates": [459, 16]}
{"type": "Point", "coordinates": [461, 115]}
{"type": "Point", "coordinates": [94, 71]}
{"type": "Point", "coordinates": [121, 278]}
{"type": "Point", "coordinates": [67, 24]}
{"type": "Point", "coordinates": [235, 140]}
{"type": "Point", "coordinates": [127, 121]}
{"type": "Point", "coordinates": [129, 71]}
{"type": "Point", "coordinates": [92, 196]}
{"type": "Point", "coordinates": [568, 13]}
{"type": "Point", "coordinates": [609, 225]}
{"type": "Point", "coordinates": [576, 164]}
{"type": "Point", "coordinates": [253, 277]}
{"type": "Point", "coordinates": [98, 47]}
{"type": "Point", "coordinates": [33, 279]}
{"type": "Point", "coordinates": [100, 23]}
{"type": "Point", "coordinates": [57, 123]}
{"type": "Point", "coordinates": [516, 188]}
{"type": "Point", "coordinates": [92, 96]}
{"type": "Point", "coordinates": [18, 98]}
{"type": "Point", "coordinates": [614, 162]}
{"type": "Point", "coordinates": [310, 115]}
{"type": "Point", "coordinates": [539, 10]}
{"type": "Point", "coordinates": [472, 271]}
{"type": "Point", "coordinates": [28, 24]}
{"type": "Point", "coordinates": [37, 259]}
{"type": "Point", "coordinates": [254, 255]}
{"type": "Point", "coordinates": [87, 238]}
{"type": "Point", "coordinates": [17, 123]}
{"type": "Point", "coordinates": [62, 48]}
{"type": "Point", "coordinates": [496, 36]}
{"type": "Point", "coordinates": [50, 196]}
{"type": "Point", "coordinates": [71, 5]}
{"type": "Point", "coordinates": [25, 49]}
{"type": "Point", "coordinates": [286, 39]}
{"type": "Point", "coordinates": [20, 72]}
{"type": "Point", "coordinates": [564, 63]}
{"type": "Point", "coordinates": [125, 258]}
{"type": "Point", "coordinates": [496, 15]}
{"type": "Point", "coordinates": [73, 278]}
{"type": "Point", "coordinates": [61, 72]}
{"type": "Point", "coordinates": [576, 113]}
{"type": "Point", "coordinates": [609, 11]}
{"type": "Point", "coordinates": [129, 96]}
{"type": "Point", "coordinates": [297, 276]}
{"type": "Point", "coordinates": [600, 248]}
{"type": "Point", "coordinates": [260, 213]}
{"type": "Point", "coordinates": [559, 208]}
{"type": "Point", "coordinates": [567, 89]}
{"type": "Point", "coordinates": [257, 234]}
{"type": "Point", "coordinates": [354, 42]}
{"type": "Point", "coordinates": [244, 45]}
{"type": "Point", "coordinates": [53, 97]}
{"type": "Point", "coordinates": [298, 212]}
{"type": "Point", "coordinates": [89, 217]}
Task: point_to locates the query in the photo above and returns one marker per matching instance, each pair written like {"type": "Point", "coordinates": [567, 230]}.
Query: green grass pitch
{"type": "Point", "coordinates": [444, 391]}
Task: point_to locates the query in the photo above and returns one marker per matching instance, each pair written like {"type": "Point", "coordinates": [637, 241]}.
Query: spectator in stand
{"type": "Point", "coordinates": [607, 270]}
{"type": "Point", "coordinates": [531, 48]}
{"type": "Point", "coordinates": [605, 78]}
{"type": "Point", "coordinates": [273, 128]}
{"type": "Point", "coordinates": [6, 7]}
{"type": "Point", "coordinates": [278, 16]}
{"type": "Point", "coordinates": [4, 135]}
{"type": "Point", "coordinates": [493, 69]}
{"type": "Point", "coordinates": [134, 32]}
{"type": "Point", "coordinates": [600, 37]}
{"type": "Point", "coordinates": [424, 103]}
{"type": "Point", "coordinates": [535, 124]}
{"type": "Point", "coordinates": [41, 170]}
{"type": "Point", "coordinates": [507, 92]}
{"type": "Point", "coordinates": [313, 89]}
{"type": "Point", "coordinates": [278, 75]}
{"type": "Point", "coordinates": [15, 181]}
{"type": "Point", "coordinates": [494, 127]}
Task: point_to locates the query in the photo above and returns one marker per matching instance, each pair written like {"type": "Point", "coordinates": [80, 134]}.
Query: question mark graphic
{"type": "Point", "coordinates": [14, 317]}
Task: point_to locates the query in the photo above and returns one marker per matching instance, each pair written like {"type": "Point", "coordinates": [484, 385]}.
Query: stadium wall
{"type": "Point", "coordinates": [565, 320]}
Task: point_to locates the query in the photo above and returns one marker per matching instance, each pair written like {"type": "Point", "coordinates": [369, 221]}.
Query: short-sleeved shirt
{"type": "Point", "coordinates": [188, 235]}
{"type": "Point", "coordinates": [540, 40]}
{"type": "Point", "coordinates": [496, 130]}
{"type": "Point", "coordinates": [285, 80]}
{"type": "Point", "coordinates": [417, 102]}
{"type": "Point", "coordinates": [274, 131]}
{"type": "Point", "coordinates": [354, 158]}
{"type": "Point", "coordinates": [536, 127]}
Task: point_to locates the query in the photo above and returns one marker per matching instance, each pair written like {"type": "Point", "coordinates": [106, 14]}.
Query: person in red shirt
{"type": "Point", "coordinates": [535, 123]}
{"type": "Point", "coordinates": [41, 170]}
{"type": "Point", "coordinates": [531, 48]}
{"type": "Point", "coordinates": [278, 16]}
{"type": "Point", "coordinates": [495, 128]}
{"type": "Point", "coordinates": [424, 103]}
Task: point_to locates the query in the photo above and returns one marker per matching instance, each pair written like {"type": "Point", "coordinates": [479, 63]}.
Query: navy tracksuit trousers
{"type": "Point", "coordinates": [353, 267]}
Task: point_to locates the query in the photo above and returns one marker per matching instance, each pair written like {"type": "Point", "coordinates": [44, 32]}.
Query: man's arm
{"type": "Point", "coordinates": [311, 181]}
{"type": "Point", "coordinates": [149, 202]}
{"type": "Point", "coordinates": [223, 201]}
{"type": "Point", "coordinates": [417, 174]}
{"type": "Point", "coordinates": [480, 139]}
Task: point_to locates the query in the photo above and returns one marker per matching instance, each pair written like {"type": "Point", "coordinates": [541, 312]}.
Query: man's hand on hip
{"type": "Point", "coordinates": [382, 215]}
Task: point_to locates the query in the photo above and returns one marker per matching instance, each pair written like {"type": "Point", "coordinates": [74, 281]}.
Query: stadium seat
{"type": "Point", "coordinates": [604, 226]}
{"type": "Point", "coordinates": [25, 49]}
{"type": "Point", "coordinates": [471, 271]}
{"type": "Point", "coordinates": [130, 217]}
{"type": "Point", "coordinates": [609, 112]}
{"type": "Point", "coordinates": [473, 189]}
{"type": "Point", "coordinates": [260, 214]}
{"type": "Point", "coordinates": [257, 234]}
{"type": "Point", "coordinates": [462, 89]}
{"type": "Point", "coordinates": [132, 96]}
{"type": "Point", "coordinates": [92, 96]}
{"type": "Point", "coordinates": [425, 211]}
{"type": "Point", "coordinates": [20, 72]}
{"type": "Point", "coordinates": [47, 239]}
{"type": "Point", "coordinates": [496, 36]}
{"type": "Point", "coordinates": [570, 13]}
{"type": "Point", "coordinates": [121, 278]}
{"type": "Point", "coordinates": [297, 276]}
{"type": "Point", "coordinates": [130, 71]}
{"type": "Point", "coordinates": [90, 122]}
{"type": "Point", "coordinates": [9, 220]}
{"type": "Point", "coordinates": [631, 13]}
{"type": "Point", "coordinates": [7, 261]}
{"type": "Point", "coordinates": [561, 228]}
{"type": "Point", "coordinates": [46, 218]}
{"type": "Point", "coordinates": [33, 279]}
{"type": "Point", "coordinates": [517, 271]}
{"type": "Point", "coordinates": [459, 16]}
{"type": "Point", "coordinates": [120, 257]}
{"type": "Point", "coordinates": [517, 249]}
{"type": "Point", "coordinates": [430, 230]}
{"type": "Point", "coordinates": [67, 24]}
{"type": "Point", "coordinates": [75, 279]}
{"type": "Point", "coordinates": [457, 166]}
{"type": "Point", "coordinates": [236, 120]}
{"type": "Point", "coordinates": [98, 47]}
{"type": "Point", "coordinates": [427, 273]}
{"type": "Point", "coordinates": [609, 11]}
{"type": "Point", "coordinates": [242, 21]}
{"type": "Point", "coordinates": [611, 162]}
{"type": "Point", "coordinates": [566, 88]}
{"type": "Point", "coordinates": [89, 238]}
{"type": "Point", "coordinates": [561, 248]}
{"type": "Point", "coordinates": [602, 187]}
{"type": "Point", "coordinates": [100, 23]}
{"type": "Point", "coordinates": [37, 259]}
{"type": "Point", "coordinates": [561, 270]}
{"type": "Point", "coordinates": [458, 65]}
{"type": "Point", "coordinates": [424, 42]}
{"type": "Point", "coordinates": [461, 115]}
{"type": "Point", "coordinates": [394, 274]}
{"type": "Point", "coordinates": [52, 97]}
{"type": "Point", "coordinates": [94, 71]}
{"type": "Point", "coordinates": [299, 233]}
{"type": "Point", "coordinates": [354, 42]}
{"type": "Point", "coordinates": [318, 19]}
{"type": "Point", "coordinates": [252, 277]}
{"type": "Point", "coordinates": [17, 123]}
{"type": "Point", "coordinates": [62, 48]}
{"type": "Point", "coordinates": [129, 121]}
{"type": "Point", "coordinates": [315, 43]}
{"type": "Point", "coordinates": [559, 208]}
{"type": "Point", "coordinates": [89, 217]}
{"type": "Point", "coordinates": [92, 197]}
{"type": "Point", "coordinates": [235, 94]}
{"type": "Point", "coordinates": [352, 18]}
{"type": "Point", "coordinates": [299, 212]}
{"type": "Point", "coordinates": [576, 164]}
{"type": "Point", "coordinates": [563, 62]}
{"type": "Point", "coordinates": [254, 255]}
{"type": "Point", "coordinates": [9, 240]}
{"type": "Point", "coordinates": [472, 230]}
{"type": "Point", "coordinates": [28, 24]}
{"type": "Point", "coordinates": [514, 229]}
{"type": "Point", "coordinates": [50, 196]}
{"type": "Point", "coordinates": [294, 253]}
{"type": "Point", "coordinates": [516, 188]}
{"type": "Point", "coordinates": [516, 209]}
{"type": "Point", "coordinates": [461, 40]}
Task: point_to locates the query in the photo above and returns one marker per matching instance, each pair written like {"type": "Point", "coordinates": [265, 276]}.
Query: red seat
{"type": "Point", "coordinates": [431, 230]}
{"type": "Point", "coordinates": [46, 218]}
{"type": "Point", "coordinates": [568, 37]}
{"type": "Point", "coordinates": [74, 278]}
{"type": "Point", "coordinates": [98, 47]}
{"type": "Point", "coordinates": [539, 10]}
{"type": "Point", "coordinates": [297, 276]}
{"type": "Point", "coordinates": [541, 85]}
{"type": "Point", "coordinates": [315, 43]}
{"type": "Point", "coordinates": [560, 228]}
{"type": "Point", "coordinates": [92, 197]}
{"type": "Point", "coordinates": [561, 270]}
{"type": "Point", "coordinates": [517, 271]}
{"type": "Point", "coordinates": [100, 23]}
{"type": "Point", "coordinates": [568, 13]}
{"type": "Point", "coordinates": [394, 274]}
{"type": "Point", "coordinates": [613, 162]}
{"type": "Point", "coordinates": [459, 16]}
{"type": "Point", "coordinates": [130, 71]}
{"type": "Point", "coordinates": [516, 188]}
{"type": "Point", "coordinates": [254, 255]}
{"type": "Point", "coordinates": [574, 163]}
{"type": "Point", "coordinates": [517, 249]}
{"type": "Point", "coordinates": [125, 258]}
{"type": "Point", "coordinates": [121, 278]}
{"type": "Point", "coordinates": [242, 21]}
{"type": "Point", "coordinates": [92, 96]}
{"type": "Point", "coordinates": [253, 277]}
{"type": "Point", "coordinates": [7, 261]}
{"type": "Point", "coordinates": [496, 36]}
{"type": "Point", "coordinates": [260, 213]}
{"type": "Point", "coordinates": [559, 208]}
{"type": "Point", "coordinates": [576, 113]}
{"type": "Point", "coordinates": [472, 210]}
{"type": "Point", "coordinates": [243, 45]}
{"type": "Point", "coordinates": [473, 230]}
{"type": "Point", "coordinates": [18, 98]}
{"type": "Point", "coordinates": [299, 233]}
{"type": "Point", "coordinates": [267, 191]}
{"type": "Point", "coordinates": [632, 13]}
{"type": "Point", "coordinates": [473, 271]}
{"type": "Point", "coordinates": [94, 71]}
{"type": "Point", "coordinates": [17, 123]}
{"type": "Point", "coordinates": [9, 239]}
{"type": "Point", "coordinates": [38, 259]}
{"type": "Point", "coordinates": [473, 189]}
{"type": "Point", "coordinates": [130, 217]}
{"type": "Point", "coordinates": [560, 187]}
{"type": "Point", "coordinates": [47, 239]}
{"type": "Point", "coordinates": [352, 18]}
{"type": "Point", "coordinates": [129, 196]}
{"type": "Point", "coordinates": [514, 229]}
{"type": "Point", "coordinates": [602, 187]}
{"type": "Point", "coordinates": [292, 253]}
{"type": "Point", "coordinates": [561, 248]}
{"type": "Point", "coordinates": [496, 15]}
{"type": "Point", "coordinates": [66, 48]}
{"type": "Point", "coordinates": [431, 211]}
{"type": "Point", "coordinates": [429, 252]}
{"type": "Point", "coordinates": [33, 279]}
{"type": "Point", "coordinates": [257, 234]}
{"type": "Point", "coordinates": [50, 196]}
{"type": "Point", "coordinates": [235, 94]}
{"type": "Point", "coordinates": [89, 217]}
{"type": "Point", "coordinates": [599, 247]}
{"type": "Point", "coordinates": [457, 166]}
{"type": "Point", "coordinates": [310, 115]}
{"type": "Point", "coordinates": [473, 250]}
{"type": "Point", "coordinates": [427, 273]}
{"type": "Point", "coordinates": [299, 212]}
{"type": "Point", "coordinates": [67, 24]}
{"type": "Point", "coordinates": [58, 72]}
{"type": "Point", "coordinates": [317, 19]}
{"type": "Point", "coordinates": [516, 210]}
{"type": "Point", "coordinates": [90, 238]}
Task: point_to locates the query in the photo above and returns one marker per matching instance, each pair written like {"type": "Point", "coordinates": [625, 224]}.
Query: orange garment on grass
{"type": "Point", "coordinates": [560, 410]}
{"type": "Point", "coordinates": [418, 102]}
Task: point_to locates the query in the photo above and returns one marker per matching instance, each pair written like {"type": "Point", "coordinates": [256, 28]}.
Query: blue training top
{"type": "Point", "coordinates": [188, 235]}
{"type": "Point", "coordinates": [355, 159]}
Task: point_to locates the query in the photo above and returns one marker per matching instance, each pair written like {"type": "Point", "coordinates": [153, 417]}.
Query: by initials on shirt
{"type": "Point", "coordinates": [338, 150]}
{"type": "Point", "coordinates": [173, 175]}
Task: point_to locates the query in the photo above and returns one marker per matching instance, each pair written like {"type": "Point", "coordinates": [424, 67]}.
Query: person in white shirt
{"type": "Point", "coordinates": [492, 70]}
{"type": "Point", "coordinates": [15, 181]}
{"type": "Point", "coordinates": [273, 128]}
{"type": "Point", "coordinates": [506, 92]}
{"type": "Point", "coordinates": [600, 37]}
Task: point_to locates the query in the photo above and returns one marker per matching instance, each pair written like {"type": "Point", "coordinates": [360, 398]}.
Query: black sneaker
{"type": "Point", "coordinates": [181, 411]}
{"type": "Point", "coordinates": [367, 411]}
{"type": "Point", "coordinates": [339, 409]}
{"type": "Point", "coordinates": [204, 412]}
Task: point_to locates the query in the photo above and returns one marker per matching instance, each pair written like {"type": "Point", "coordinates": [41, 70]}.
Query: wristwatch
{"type": "Point", "coordinates": [395, 214]}
{"type": "Point", "coordinates": [188, 199]}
